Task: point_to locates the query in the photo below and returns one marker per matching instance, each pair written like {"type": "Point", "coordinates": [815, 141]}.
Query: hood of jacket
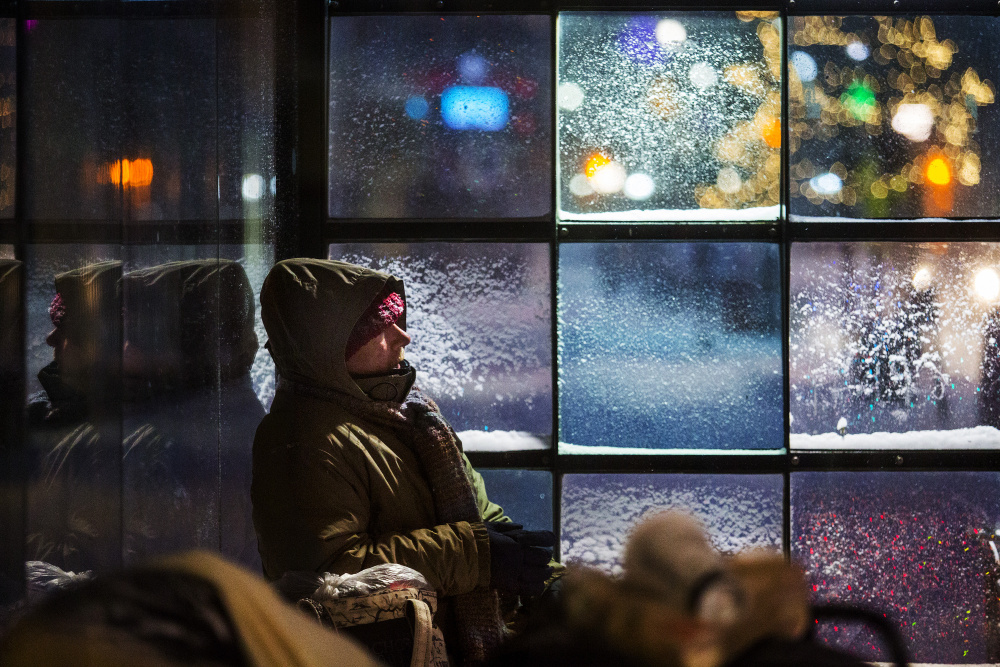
{"type": "Point", "coordinates": [186, 321]}
{"type": "Point", "coordinates": [309, 307]}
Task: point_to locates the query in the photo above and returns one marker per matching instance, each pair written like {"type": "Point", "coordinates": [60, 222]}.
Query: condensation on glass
{"type": "Point", "coordinates": [525, 495]}
{"type": "Point", "coordinates": [440, 116]}
{"type": "Point", "coordinates": [8, 106]}
{"type": "Point", "coordinates": [479, 315]}
{"type": "Point", "coordinates": [140, 143]}
{"type": "Point", "coordinates": [738, 511]}
{"type": "Point", "coordinates": [893, 117]}
{"type": "Point", "coordinates": [895, 345]}
{"type": "Point", "coordinates": [916, 546]}
{"type": "Point", "coordinates": [669, 346]}
{"type": "Point", "coordinates": [669, 116]}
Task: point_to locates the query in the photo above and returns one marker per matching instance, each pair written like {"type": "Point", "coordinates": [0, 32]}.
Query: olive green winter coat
{"type": "Point", "coordinates": [331, 491]}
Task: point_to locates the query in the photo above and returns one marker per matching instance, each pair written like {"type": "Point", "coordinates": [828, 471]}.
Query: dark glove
{"type": "Point", "coordinates": [519, 561]}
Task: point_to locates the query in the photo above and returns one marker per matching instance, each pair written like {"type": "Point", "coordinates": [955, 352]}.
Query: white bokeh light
{"type": "Point", "coordinates": [826, 184]}
{"type": "Point", "coordinates": [728, 180]}
{"type": "Point", "coordinates": [580, 186]}
{"type": "Point", "coordinates": [670, 32]}
{"type": "Point", "coordinates": [804, 65]}
{"type": "Point", "coordinates": [253, 187]}
{"type": "Point", "coordinates": [703, 75]}
{"type": "Point", "coordinates": [987, 285]}
{"type": "Point", "coordinates": [569, 96]}
{"type": "Point", "coordinates": [639, 187]}
{"type": "Point", "coordinates": [922, 278]}
{"type": "Point", "coordinates": [857, 51]}
{"type": "Point", "coordinates": [608, 178]}
{"type": "Point", "coordinates": [913, 121]}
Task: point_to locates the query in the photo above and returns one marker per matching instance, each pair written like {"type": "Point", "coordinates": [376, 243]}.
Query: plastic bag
{"type": "Point", "coordinates": [387, 577]}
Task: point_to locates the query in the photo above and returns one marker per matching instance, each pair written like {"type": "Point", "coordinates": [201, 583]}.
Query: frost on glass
{"type": "Point", "coordinates": [669, 116]}
{"type": "Point", "coordinates": [918, 547]}
{"type": "Point", "coordinates": [895, 345]}
{"type": "Point", "coordinates": [525, 495]}
{"type": "Point", "coordinates": [8, 104]}
{"type": "Point", "coordinates": [479, 315]}
{"type": "Point", "coordinates": [440, 116]}
{"type": "Point", "coordinates": [141, 140]}
{"type": "Point", "coordinates": [669, 346]}
{"type": "Point", "coordinates": [598, 511]}
{"type": "Point", "coordinates": [893, 117]}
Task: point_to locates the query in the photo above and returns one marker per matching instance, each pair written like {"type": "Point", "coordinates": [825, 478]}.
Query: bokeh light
{"type": "Point", "coordinates": [987, 285]}
{"type": "Point", "coordinates": [253, 187]}
{"type": "Point", "coordinates": [569, 96]}
{"type": "Point", "coordinates": [772, 133]}
{"type": "Point", "coordinates": [580, 186]}
{"type": "Point", "coordinates": [857, 51]}
{"type": "Point", "coordinates": [670, 32]}
{"type": "Point", "coordinates": [913, 121]}
{"type": "Point", "coordinates": [472, 67]}
{"type": "Point", "coordinates": [416, 107]}
{"type": "Point", "coordinates": [859, 100]}
{"type": "Point", "coordinates": [608, 178]}
{"type": "Point", "coordinates": [804, 65]}
{"type": "Point", "coordinates": [662, 97]}
{"type": "Point", "coordinates": [133, 173]}
{"type": "Point", "coordinates": [594, 162]}
{"type": "Point", "coordinates": [639, 187]}
{"type": "Point", "coordinates": [826, 184]}
{"type": "Point", "coordinates": [638, 40]}
{"type": "Point", "coordinates": [938, 171]}
{"type": "Point", "coordinates": [475, 108]}
{"type": "Point", "coordinates": [703, 75]}
{"type": "Point", "coordinates": [729, 180]}
{"type": "Point", "coordinates": [922, 278]}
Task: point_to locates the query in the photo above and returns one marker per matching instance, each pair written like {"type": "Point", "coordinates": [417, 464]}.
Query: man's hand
{"type": "Point", "coordinates": [519, 558]}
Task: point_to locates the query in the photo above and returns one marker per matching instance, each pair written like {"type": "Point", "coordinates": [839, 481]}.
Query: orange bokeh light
{"type": "Point", "coordinates": [938, 171]}
{"type": "Point", "coordinates": [595, 162]}
{"type": "Point", "coordinates": [772, 133]}
{"type": "Point", "coordinates": [134, 173]}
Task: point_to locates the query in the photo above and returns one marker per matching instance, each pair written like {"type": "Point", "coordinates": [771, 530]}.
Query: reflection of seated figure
{"type": "Point", "coordinates": [190, 410]}
{"type": "Point", "coordinates": [74, 428]}
{"type": "Point", "coordinates": [11, 382]}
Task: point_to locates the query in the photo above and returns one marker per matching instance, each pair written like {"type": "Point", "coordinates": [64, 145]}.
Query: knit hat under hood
{"type": "Point", "coordinates": [309, 308]}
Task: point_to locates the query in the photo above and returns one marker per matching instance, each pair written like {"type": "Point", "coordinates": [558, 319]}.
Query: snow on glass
{"type": "Point", "coordinates": [917, 547]}
{"type": "Point", "coordinates": [893, 117]}
{"type": "Point", "coordinates": [669, 116]}
{"type": "Point", "coordinates": [480, 320]}
{"type": "Point", "coordinates": [670, 346]}
{"type": "Point", "coordinates": [598, 511]}
{"type": "Point", "coordinates": [895, 345]}
{"type": "Point", "coordinates": [440, 116]}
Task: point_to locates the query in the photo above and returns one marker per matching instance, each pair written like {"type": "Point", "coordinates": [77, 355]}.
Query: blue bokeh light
{"type": "Point", "coordinates": [416, 107]}
{"type": "Point", "coordinates": [475, 108]}
{"type": "Point", "coordinates": [805, 65]}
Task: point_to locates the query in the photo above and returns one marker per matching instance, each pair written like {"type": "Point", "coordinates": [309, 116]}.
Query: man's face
{"type": "Point", "coordinates": [381, 354]}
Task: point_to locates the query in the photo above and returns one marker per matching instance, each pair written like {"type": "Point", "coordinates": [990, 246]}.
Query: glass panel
{"type": "Point", "coordinates": [669, 346]}
{"type": "Point", "coordinates": [190, 410]}
{"type": "Point", "coordinates": [894, 345]}
{"type": "Point", "coordinates": [893, 117]}
{"type": "Point", "coordinates": [73, 354]}
{"type": "Point", "coordinates": [8, 105]}
{"type": "Point", "coordinates": [436, 116]}
{"type": "Point", "coordinates": [6, 251]}
{"type": "Point", "coordinates": [141, 141]}
{"type": "Point", "coordinates": [669, 116]}
{"type": "Point", "coordinates": [918, 547]}
{"type": "Point", "coordinates": [525, 495]}
{"type": "Point", "coordinates": [480, 318]}
{"type": "Point", "coordinates": [739, 511]}
{"type": "Point", "coordinates": [11, 451]}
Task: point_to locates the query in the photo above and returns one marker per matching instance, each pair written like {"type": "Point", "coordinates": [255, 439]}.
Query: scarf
{"type": "Point", "coordinates": [418, 422]}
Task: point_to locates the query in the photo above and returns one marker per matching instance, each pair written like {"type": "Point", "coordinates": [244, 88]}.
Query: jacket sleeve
{"type": "Point", "coordinates": [336, 507]}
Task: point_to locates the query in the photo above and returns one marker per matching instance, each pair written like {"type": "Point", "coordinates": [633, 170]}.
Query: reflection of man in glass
{"type": "Point", "coordinates": [355, 467]}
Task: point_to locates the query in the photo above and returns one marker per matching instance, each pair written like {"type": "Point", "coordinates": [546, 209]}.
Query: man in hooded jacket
{"type": "Point", "coordinates": [355, 467]}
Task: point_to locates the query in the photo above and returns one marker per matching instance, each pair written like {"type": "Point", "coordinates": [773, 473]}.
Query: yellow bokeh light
{"type": "Point", "coordinates": [772, 133]}
{"type": "Point", "coordinates": [134, 173]}
{"type": "Point", "coordinates": [938, 172]}
{"type": "Point", "coordinates": [595, 162]}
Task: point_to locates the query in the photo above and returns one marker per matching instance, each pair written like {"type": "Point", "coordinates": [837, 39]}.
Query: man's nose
{"type": "Point", "coordinates": [401, 336]}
